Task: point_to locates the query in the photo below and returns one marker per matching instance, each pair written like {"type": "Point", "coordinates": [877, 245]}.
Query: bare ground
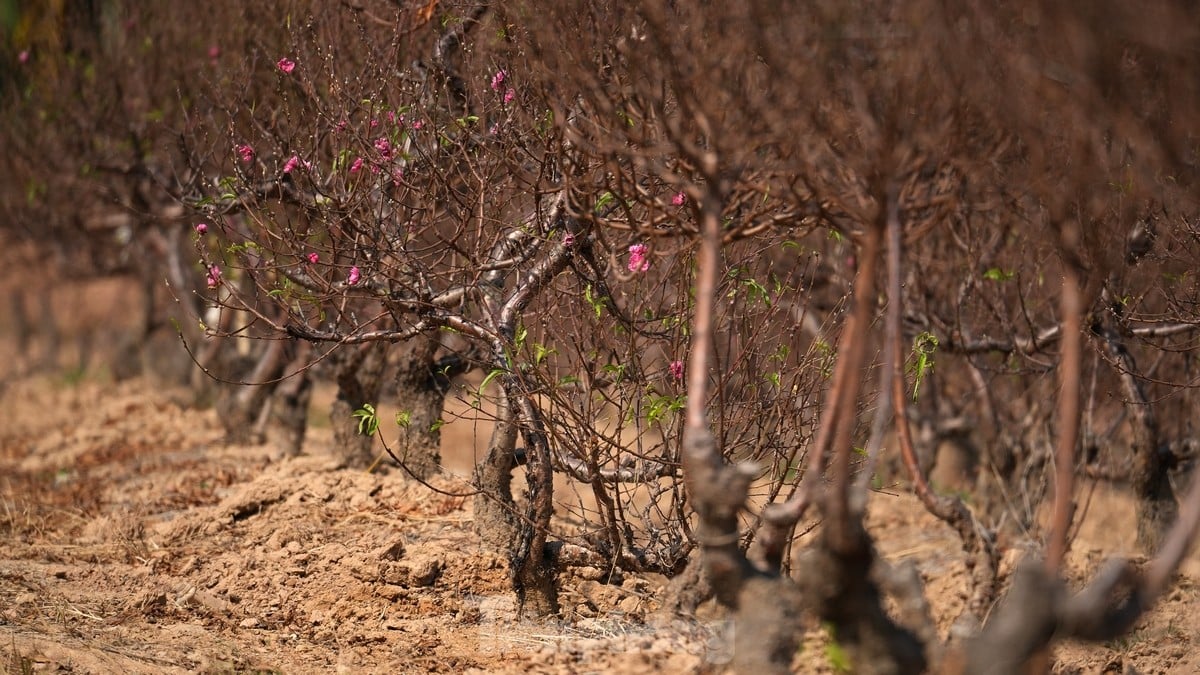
{"type": "Point", "coordinates": [133, 540]}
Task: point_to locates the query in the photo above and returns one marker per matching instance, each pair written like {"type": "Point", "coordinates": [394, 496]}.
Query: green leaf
{"type": "Point", "coordinates": [340, 161]}
{"type": "Point", "coordinates": [489, 377]}
{"type": "Point", "coordinates": [596, 302]}
{"type": "Point", "coordinates": [403, 419]}
{"type": "Point", "coordinates": [617, 371]}
{"type": "Point", "coordinates": [540, 352]}
{"type": "Point", "coordinates": [659, 407]}
{"type": "Point", "coordinates": [839, 660]}
{"type": "Point", "coordinates": [604, 200]}
{"type": "Point", "coordinates": [924, 347]}
{"type": "Point", "coordinates": [757, 292]}
{"type": "Point", "coordinates": [368, 421]}
{"type": "Point", "coordinates": [997, 274]}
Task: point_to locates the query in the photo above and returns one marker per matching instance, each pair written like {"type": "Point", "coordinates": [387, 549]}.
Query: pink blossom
{"type": "Point", "coordinates": [246, 152]}
{"type": "Point", "coordinates": [637, 258]}
{"type": "Point", "coordinates": [286, 65]}
{"type": "Point", "coordinates": [498, 79]}
{"type": "Point", "coordinates": [291, 164]}
{"type": "Point", "coordinates": [356, 166]}
{"type": "Point", "coordinates": [568, 239]}
{"type": "Point", "coordinates": [23, 57]}
{"type": "Point", "coordinates": [354, 276]}
{"type": "Point", "coordinates": [676, 369]}
{"type": "Point", "coordinates": [679, 199]}
{"type": "Point", "coordinates": [397, 176]}
{"type": "Point", "coordinates": [214, 276]}
{"type": "Point", "coordinates": [312, 258]}
{"type": "Point", "coordinates": [417, 124]}
{"type": "Point", "coordinates": [201, 228]}
{"type": "Point", "coordinates": [510, 95]}
{"type": "Point", "coordinates": [391, 115]}
{"type": "Point", "coordinates": [384, 146]}
{"type": "Point", "coordinates": [374, 123]}
{"type": "Point", "coordinates": [341, 126]}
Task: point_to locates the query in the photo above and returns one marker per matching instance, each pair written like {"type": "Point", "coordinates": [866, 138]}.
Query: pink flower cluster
{"type": "Point", "coordinates": [498, 82]}
{"type": "Point", "coordinates": [679, 199]}
{"type": "Point", "coordinates": [246, 152]}
{"type": "Point", "coordinates": [214, 276]}
{"type": "Point", "coordinates": [286, 65]}
{"type": "Point", "coordinates": [676, 369]}
{"type": "Point", "coordinates": [201, 228]}
{"type": "Point", "coordinates": [384, 146]}
{"type": "Point", "coordinates": [354, 276]}
{"type": "Point", "coordinates": [637, 258]}
{"type": "Point", "coordinates": [312, 258]}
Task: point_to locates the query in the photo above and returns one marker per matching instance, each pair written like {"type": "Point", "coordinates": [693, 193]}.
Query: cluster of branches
{"type": "Point", "coordinates": [701, 258]}
{"type": "Point", "coordinates": [958, 136]}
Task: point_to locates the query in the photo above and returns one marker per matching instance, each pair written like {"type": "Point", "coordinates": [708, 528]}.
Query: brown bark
{"type": "Point", "coordinates": [359, 375]}
{"type": "Point", "coordinates": [532, 561]}
{"type": "Point", "coordinates": [421, 392]}
{"type": "Point", "coordinates": [495, 511]}
{"type": "Point", "coordinates": [242, 403]}
{"type": "Point", "coordinates": [289, 403]}
{"type": "Point", "coordinates": [839, 582]}
{"type": "Point", "coordinates": [1156, 505]}
{"type": "Point", "coordinates": [22, 326]}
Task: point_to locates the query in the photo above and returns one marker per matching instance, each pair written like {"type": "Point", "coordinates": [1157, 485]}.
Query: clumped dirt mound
{"type": "Point", "coordinates": [134, 540]}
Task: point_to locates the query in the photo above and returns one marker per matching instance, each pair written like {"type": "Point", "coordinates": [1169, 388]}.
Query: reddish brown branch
{"type": "Point", "coordinates": [837, 416]}
{"type": "Point", "coordinates": [717, 491]}
{"type": "Point", "coordinates": [1068, 418]}
{"type": "Point", "coordinates": [837, 506]}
